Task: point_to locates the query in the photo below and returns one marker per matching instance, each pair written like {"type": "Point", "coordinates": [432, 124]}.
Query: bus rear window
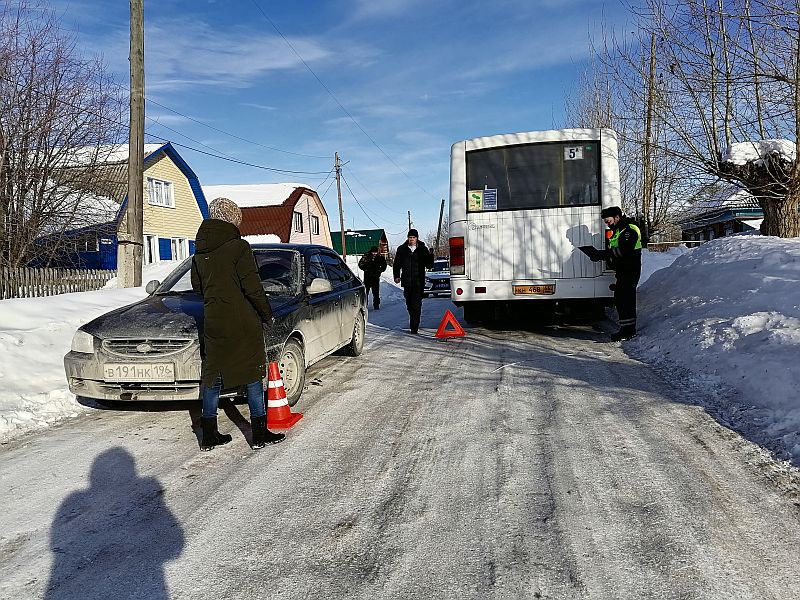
{"type": "Point", "coordinates": [544, 175]}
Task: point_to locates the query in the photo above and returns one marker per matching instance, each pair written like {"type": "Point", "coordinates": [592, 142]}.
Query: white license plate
{"type": "Point", "coordinates": [139, 371]}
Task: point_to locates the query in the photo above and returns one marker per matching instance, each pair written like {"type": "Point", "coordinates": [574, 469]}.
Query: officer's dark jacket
{"type": "Point", "coordinates": [625, 249]}
{"type": "Point", "coordinates": [410, 266]}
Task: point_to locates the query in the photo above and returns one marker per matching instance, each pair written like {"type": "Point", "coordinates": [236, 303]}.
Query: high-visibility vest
{"type": "Point", "coordinates": [614, 241]}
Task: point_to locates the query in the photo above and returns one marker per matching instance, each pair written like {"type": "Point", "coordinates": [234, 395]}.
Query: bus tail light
{"type": "Point", "coordinates": [457, 256]}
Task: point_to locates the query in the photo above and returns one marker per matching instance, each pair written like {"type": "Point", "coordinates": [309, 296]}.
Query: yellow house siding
{"type": "Point", "coordinates": [184, 219]}
{"type": "Point", "coordinates": [309, 205]}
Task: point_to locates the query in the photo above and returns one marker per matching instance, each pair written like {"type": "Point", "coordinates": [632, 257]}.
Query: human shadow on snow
{"type": "Point", "coordinates": [112, 539]}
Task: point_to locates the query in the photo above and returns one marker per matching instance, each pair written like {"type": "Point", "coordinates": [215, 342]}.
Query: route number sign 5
{"type": "Point", "coordinates": [573, 153]}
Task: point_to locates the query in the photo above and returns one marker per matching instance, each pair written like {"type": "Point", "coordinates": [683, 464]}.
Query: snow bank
{"type": "Point", "coordinates": [35, 334]}
{"type": "Point", "coordinates": [745, 152]}
{"type": "Point", "coordinates": [725, 317]}
{"type": "Point", "coordinates": [158, 271]}
{"type": "Point", "coordinates": [655, 261]}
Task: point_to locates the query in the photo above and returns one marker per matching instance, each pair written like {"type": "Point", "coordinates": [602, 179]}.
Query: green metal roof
{"type": "Point", "coordinates": [358, 241]}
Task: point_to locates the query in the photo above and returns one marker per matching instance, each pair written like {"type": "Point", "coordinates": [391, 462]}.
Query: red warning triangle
{"type": "Point", "coordinates": [449, 319]}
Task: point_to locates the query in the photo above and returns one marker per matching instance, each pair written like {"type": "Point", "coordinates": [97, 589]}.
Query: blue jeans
{"type": "Point", "coordinates": [255, 399]}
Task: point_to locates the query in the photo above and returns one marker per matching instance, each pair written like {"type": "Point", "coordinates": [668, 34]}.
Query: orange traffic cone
{"type": "Point", "coordinates": [279, 416]}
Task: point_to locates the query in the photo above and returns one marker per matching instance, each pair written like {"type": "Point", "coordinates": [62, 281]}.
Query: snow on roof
{"type": "Point", "coordinates": [117, 153]}
{"type": "Point", "coordinates": [745, 152]}
{"type": "Point", "coordinates": [253, 195]}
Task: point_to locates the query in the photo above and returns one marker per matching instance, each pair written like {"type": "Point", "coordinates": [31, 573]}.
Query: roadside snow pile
{"type": "Point", "coordinates": [726, 315]}
{"type": "Point", "coordinates": [157, 271]}
{"type": "Point", "coordinates": [745, 152]}
{"type": "Point", "coordinates": [655, 261]}
{"type": "Point", "coordinates": [35, 334]}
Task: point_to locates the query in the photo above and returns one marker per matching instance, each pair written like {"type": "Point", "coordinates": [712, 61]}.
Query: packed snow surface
{"type": "Point", "coordinates": [723, 318]}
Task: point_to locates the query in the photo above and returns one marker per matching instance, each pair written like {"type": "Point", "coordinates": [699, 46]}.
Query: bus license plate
{"type": "Point", "coordinates": [526, 290]}
{"type": "Point", "coordinates": [139, 372]}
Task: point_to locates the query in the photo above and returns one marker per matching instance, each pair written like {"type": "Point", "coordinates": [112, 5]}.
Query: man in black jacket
{"type": "Point", "coordinates": [373, 264]}
{"type": "Point", "coordinates": [624, 255]}
{"type": "Point", "coordinates": [410, 262]}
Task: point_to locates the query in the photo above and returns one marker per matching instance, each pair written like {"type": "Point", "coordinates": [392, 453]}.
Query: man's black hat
{"type": "Point", "coordinates": [611, 211]}
{"type": "Point", "coordinates": [413, 232]}
{"type": "Point", "coordinates": [373, 249]}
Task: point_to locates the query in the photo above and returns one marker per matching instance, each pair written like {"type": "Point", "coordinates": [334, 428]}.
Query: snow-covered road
{"type": "Point", "coordinates": [502, 465]}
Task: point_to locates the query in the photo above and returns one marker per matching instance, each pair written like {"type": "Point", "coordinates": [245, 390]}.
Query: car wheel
{"type": "Point", "coordinates": [292, 364]}
{"type": "Point", "coordinates": [356, 345]}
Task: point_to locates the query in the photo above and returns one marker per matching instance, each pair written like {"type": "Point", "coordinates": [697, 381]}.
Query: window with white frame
{"type": "Point", "coordinates": [180, 248]}
{"type": "Point", "coordinates": [150, 249]}
{"type": "Point", "coordinates": [298, 222]}
{"type": "Point", "coordinates": [314, 225]}
{"type": "Point", "coordinates": [160, 193]}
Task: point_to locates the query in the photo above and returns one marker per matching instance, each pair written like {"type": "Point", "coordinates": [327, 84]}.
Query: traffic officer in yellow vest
{"type": "Point", "coordinates": [624, 255]}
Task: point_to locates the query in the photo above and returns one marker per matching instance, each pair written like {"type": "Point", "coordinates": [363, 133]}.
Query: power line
{"type": "Point", "coordinates": [347, 185]}
{"type": "Point", "coordinates": [332, 95]}
{"type": "Point", "coordinates": [152, 135]}
{"type": "Point", "coordinates": [224, 156]}
{"type": "Point", "coordinates": [371, 194]}
{"type": "Point", "coordinates": [233, 135]}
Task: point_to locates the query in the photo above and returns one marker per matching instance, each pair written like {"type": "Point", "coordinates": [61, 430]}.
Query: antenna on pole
{"type": "Point", "coordinates": [439, 229]}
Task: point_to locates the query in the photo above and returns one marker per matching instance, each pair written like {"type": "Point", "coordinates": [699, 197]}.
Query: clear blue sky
{"type": "Point", "coordinates": [417, 75]}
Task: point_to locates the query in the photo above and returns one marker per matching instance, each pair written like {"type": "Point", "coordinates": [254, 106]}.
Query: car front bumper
{"type": "Point", "coordinates": [85, 377]}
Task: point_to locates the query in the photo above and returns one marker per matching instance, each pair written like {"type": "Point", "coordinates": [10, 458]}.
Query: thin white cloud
{"type": "Point", "coordinates": [180, 54]}
{"type": "Point", "coordinates": [368, 9]}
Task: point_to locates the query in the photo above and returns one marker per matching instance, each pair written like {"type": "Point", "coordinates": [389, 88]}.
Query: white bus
{"type": "Point", "coordinates": [521, 204]}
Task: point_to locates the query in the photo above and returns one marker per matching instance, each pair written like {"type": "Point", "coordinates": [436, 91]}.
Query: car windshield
{"type": "Point", "coordinates": [279, 271]}
{"type": "Point", "coordinates": [440, 266]}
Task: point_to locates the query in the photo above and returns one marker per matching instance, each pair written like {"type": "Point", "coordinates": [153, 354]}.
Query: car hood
{"type": "Point", "coordinates": [437, 275]}
{"type": "Point", "coordinates": [166, 316]}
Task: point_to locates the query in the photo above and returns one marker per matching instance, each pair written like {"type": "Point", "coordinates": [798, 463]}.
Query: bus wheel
{"type": "Point", "coordinates": [472, 313]}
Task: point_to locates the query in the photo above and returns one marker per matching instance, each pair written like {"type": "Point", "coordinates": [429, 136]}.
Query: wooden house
{"type": "Point", "coordinates": [173, 208]}
{"type": "Point", "coordinates": [291, 211]}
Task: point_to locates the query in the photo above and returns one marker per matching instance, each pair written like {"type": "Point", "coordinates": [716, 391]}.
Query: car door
{"type": "Point", "coordinates": [320, 325]}
{"type": "Point", "coordinates": [343, 279]}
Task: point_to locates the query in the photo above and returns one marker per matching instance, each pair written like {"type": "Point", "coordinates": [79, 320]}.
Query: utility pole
{"type": "Point", "coordinates": [439, 229]}
{"type": "Point", "coordinates": [341, 210]}
{"type": "Point", "coordinates": [409, 220]}
{"type": "Point", "coordinates": [129, 251]}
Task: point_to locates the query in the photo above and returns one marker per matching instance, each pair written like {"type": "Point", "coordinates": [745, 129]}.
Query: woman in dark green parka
{"type": "Point", "coordinates": [235, 306]}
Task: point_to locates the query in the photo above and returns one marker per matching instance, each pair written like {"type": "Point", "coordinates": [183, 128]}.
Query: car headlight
{"type": "Point", "coordinates": [83, 342]}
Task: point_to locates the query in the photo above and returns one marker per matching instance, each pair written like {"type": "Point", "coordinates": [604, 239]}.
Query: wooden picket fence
{"type": "Point", "coordinates": [28, 282]}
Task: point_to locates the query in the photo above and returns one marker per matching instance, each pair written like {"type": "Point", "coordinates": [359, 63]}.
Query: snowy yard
{"type": "Point", "coordinates": [723, 319]}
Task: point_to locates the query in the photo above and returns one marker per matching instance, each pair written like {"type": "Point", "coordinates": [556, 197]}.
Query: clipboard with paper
{"type": "Point", "coordinates": [593, 253]}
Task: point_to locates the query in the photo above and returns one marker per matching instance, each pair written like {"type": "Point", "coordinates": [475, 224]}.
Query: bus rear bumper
{"type": "Point", "coordinates": [587, 288]}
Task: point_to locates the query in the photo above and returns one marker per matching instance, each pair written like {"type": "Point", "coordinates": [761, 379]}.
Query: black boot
{"type": "Point", "coordinates": [211, 436]}
{"type": "Point", "coordinates": [263, 436]}
{"type": "Point", "coordinates": [625, 332]}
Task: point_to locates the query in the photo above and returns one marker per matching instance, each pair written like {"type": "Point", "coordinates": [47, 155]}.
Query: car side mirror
{"type": "Point", "coordinates": [152, 286]}
{"type": "Point", "coordinates": [319, 286]}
